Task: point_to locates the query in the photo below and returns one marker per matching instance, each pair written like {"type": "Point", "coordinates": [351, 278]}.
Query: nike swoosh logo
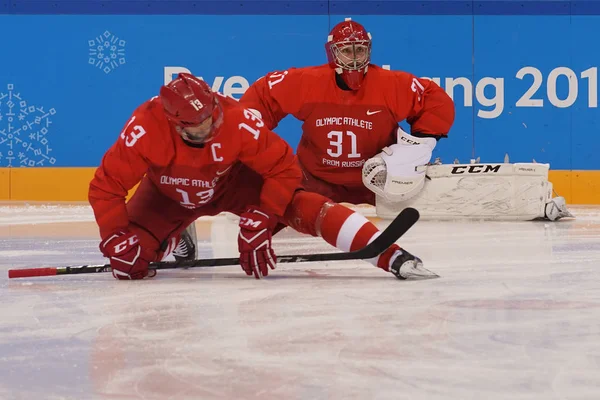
{"type": "Point", "coordinates": [369, 112]}
{"type": "Point", "coordinates": [219, 173]}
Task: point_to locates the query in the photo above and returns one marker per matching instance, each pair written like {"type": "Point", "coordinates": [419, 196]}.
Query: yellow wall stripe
{"type": "Point", "coordinates": [50, 184]}
{"type": "Point", "coordinates": [71, 184]}
{"type": "Point", "coordinates": [5, 183]}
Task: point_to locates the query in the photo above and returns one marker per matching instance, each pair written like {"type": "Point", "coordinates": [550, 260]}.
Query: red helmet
{"type": "Point", "coordinates": [188, 102]}
{"type": "Point", "coordinates": [348, 50]}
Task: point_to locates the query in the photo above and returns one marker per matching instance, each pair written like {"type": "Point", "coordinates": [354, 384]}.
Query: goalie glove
{"type": "Point", "coordinates": [398, 172]}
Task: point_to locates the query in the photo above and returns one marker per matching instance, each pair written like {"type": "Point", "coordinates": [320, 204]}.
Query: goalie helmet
{"type": "Point", "coordinates": [192, 107]}
{"type": "Point", "coordinates": [348, 51]}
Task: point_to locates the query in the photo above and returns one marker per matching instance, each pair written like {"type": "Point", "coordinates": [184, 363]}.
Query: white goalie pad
{"type": "Point", "coordinates": [478, 191]}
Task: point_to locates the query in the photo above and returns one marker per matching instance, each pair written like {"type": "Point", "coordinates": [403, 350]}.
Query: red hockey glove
{"type": "Point", "coordinates": [125, 254]}
{"type": "Point", "coordinates": [254, 242]}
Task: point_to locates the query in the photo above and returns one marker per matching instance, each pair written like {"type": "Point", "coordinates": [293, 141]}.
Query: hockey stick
{"type": "Point", "coordinates": [398, 227]}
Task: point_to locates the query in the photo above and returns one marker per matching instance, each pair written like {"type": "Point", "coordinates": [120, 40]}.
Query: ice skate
{"type": "Point", "coordinates": [186, 247]}
{"type": "Point", "coordinates": [557, 209]}
{"type": "Point", "coordinates": [407, 266]}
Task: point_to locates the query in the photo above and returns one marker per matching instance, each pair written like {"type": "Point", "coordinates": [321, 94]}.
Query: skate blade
{"type": "Point", "coordinates": [566, 214]}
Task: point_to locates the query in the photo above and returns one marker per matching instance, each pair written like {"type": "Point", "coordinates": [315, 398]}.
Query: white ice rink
{"type": "Point", "coordinates": [515, 315]}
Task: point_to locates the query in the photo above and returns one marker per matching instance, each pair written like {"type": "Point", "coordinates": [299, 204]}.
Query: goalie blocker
{"type": "Point", "coordinates": [519, 191]}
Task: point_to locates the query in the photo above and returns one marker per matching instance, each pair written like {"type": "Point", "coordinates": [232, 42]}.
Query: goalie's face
{"type": "Point", "coordinates": [351, 56]}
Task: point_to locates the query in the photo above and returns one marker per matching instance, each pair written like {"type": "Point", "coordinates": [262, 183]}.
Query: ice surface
{"type": "Point", "coordinates": [515, 315]}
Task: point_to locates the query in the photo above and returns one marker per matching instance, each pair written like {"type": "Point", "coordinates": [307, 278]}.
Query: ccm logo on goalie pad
{"type": "Point", "coordinates": [475, 169]}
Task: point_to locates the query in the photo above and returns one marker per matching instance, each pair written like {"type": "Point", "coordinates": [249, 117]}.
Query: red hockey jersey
{"type": "Point", "coordinates": [342, 129]}
{"type": "Point", "coordinates": [192, 176]}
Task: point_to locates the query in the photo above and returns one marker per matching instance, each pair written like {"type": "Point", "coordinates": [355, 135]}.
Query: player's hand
{"type": "Point", "coordinates": [254, 242]}
{"type": "Point", "coordinates": [126, 257]}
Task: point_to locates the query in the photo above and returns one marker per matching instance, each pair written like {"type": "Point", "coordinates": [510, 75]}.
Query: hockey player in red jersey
{"type": "Point", "coordinates": [350, 110]}
{"type": "Point", "coordinates": [198, 153]}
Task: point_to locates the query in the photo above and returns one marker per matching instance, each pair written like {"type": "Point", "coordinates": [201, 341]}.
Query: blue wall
{"type": "Point", "coordinates": [523, 74]}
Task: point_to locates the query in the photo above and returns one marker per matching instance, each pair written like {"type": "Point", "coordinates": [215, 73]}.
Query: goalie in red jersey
{"type": "Point", "coordinates": [196, 153]}
{"type": "Point", "coordinates": [351, 145]}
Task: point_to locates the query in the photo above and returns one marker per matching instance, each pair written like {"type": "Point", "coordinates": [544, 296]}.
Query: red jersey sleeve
{"type": "Point", "coordinates": [122, 167]}
{"type": "Point", "coordinates": [274, 96]}
{"type": "Point", "coordinates": [428, 108]}
{"type": "Point", "coordinates": [269, 155]}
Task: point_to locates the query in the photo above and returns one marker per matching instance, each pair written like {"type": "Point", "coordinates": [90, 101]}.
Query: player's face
{"type": "Point", "coordinates": [353, 55]}
{"type": "Point", "coordinates": [198, 133]}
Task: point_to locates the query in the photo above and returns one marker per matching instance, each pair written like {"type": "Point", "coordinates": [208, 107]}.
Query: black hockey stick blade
{"type": "Point", "coordinates": [398, 227]}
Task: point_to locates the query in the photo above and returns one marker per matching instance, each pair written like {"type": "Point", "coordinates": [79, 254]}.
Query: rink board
{"type": "Point", "coordinates": [71, 184]}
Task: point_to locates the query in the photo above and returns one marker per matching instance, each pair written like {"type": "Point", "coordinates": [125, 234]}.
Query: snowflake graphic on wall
{"type": "Point", "coordinates": [107, 52]}
{"type": "Point", "coordinates": [23, 131]}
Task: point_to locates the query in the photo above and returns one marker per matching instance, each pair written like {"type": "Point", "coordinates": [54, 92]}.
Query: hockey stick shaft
{"type": "Point", "coordinates": [398, 227]}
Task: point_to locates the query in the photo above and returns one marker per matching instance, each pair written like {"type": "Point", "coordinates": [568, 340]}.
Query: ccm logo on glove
{"type": "Point", "coordinates": [249, 223]}
{"type": "Point", "coordinates": [119, 248]}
